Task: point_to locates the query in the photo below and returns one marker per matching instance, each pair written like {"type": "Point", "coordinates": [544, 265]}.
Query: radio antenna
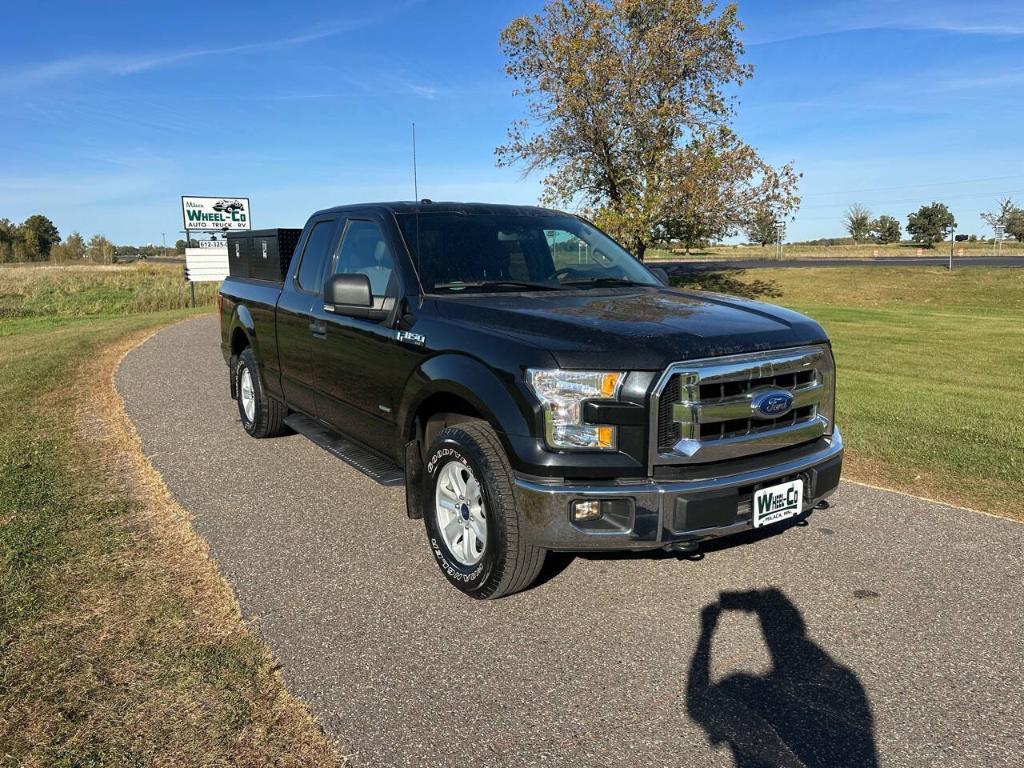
{"type": "Point", "coordinates": [415, 180]}
{"type": "Point", "coordinates": [416, 194]}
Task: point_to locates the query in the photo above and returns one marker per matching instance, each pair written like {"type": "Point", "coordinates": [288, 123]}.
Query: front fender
{"type": "Point", "coordinates": [493, 395]}
{"type": "Point", "coordinates": [472, 381]}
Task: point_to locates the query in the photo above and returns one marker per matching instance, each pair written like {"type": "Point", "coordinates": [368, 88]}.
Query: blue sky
{"type": "Point", "coordinates": [109, 112]}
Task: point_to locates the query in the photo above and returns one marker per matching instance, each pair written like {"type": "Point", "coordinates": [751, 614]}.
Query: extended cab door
{"type": "Point", "coordinates": [360, 366]}
{"type": "Point", "coordinates": [296, 326]}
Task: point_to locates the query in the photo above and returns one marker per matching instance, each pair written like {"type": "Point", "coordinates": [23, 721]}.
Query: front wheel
{"type": "Point", "coordinates": [470, 514]}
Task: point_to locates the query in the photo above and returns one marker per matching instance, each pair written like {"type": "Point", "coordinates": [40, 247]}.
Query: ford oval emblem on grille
{"type": "Point", "coordinates": [771, 404]}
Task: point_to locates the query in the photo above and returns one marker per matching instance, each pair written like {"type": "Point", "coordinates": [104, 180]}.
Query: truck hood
{"type": "Point", "coordinates": [632, 328]}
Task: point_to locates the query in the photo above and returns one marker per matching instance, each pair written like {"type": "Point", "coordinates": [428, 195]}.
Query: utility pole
{"type": "Point", "coordinates": [163, 236]}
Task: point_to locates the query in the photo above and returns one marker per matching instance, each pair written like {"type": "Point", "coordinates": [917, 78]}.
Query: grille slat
{"type": "Point", "coordinates": [710, 403]}
{"type": "Point", "coordinates": [669, 431]}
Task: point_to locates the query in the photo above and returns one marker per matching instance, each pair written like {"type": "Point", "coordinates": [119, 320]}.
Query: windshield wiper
{"type": "Point", "coordinates": [457, 285]}
{"type": "Point", "coordinates": [602, 281]}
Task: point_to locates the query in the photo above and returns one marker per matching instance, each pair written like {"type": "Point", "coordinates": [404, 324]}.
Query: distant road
{"type": "Point", "coordinates": [713, 265]}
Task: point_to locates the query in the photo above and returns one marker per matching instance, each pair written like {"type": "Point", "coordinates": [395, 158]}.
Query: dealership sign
{"type": "Point", "coordinates": [215, 213]}
{"type": "Point", "coordinates": [206, 265]}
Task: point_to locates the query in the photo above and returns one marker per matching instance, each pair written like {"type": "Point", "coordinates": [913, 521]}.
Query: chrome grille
{"type": "Point", "coordinates": [704, 409]}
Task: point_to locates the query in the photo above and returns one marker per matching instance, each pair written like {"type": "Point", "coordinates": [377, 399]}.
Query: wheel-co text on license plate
{"type": "Point", "coordinates": [778, 502]}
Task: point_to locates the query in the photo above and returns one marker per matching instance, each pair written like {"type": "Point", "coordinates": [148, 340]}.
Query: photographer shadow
{"type": "Point", "coordinates": [808, 711]}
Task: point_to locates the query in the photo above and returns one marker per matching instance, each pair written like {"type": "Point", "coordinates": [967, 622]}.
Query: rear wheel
{"type": "Point", "coordinates": [261, 416]}
{"type": "Point", "coordinates": [470, 514]}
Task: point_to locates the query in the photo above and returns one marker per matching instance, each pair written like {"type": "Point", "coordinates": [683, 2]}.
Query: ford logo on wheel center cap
{"type": "Point", "coordinates": [772, 403]}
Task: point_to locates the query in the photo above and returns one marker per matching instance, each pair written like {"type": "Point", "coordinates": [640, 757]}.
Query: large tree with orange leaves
{"type": "Point", "coordinates": [629, 104]}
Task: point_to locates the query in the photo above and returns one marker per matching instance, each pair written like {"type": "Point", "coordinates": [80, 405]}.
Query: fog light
{"type": "Point", "coordinates": [586, 510]}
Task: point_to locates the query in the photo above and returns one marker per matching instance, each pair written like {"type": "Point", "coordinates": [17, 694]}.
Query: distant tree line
{"type": "Point", "coordinates": [926, 226]}
{"type": "Point", "coordinates": [32, 240]}
{"type": "Point", "coordinates": [37, 239]}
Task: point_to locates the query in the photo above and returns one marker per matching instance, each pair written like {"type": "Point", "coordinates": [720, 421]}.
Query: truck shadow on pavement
{"type": "Point", "coordinates": [808, 711]}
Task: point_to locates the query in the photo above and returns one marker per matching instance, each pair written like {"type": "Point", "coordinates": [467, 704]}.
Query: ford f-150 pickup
{"type": "Point", "coordinates": [533, 385]}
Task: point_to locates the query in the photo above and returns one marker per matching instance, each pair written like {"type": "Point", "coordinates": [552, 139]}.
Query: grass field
{"type": "Point", "coordinates": [929, 370]}
{"type": "Point", "coordinates": [86, 291]}
{"type": "Point", "coordinates": [846, 251]}
{"type": "Point", "coordinates": [120, 644]}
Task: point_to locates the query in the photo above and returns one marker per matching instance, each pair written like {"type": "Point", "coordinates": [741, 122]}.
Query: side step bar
{"type": "Point", "coordinates": [378, 468]}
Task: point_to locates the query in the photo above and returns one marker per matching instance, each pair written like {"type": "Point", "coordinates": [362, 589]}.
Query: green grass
{"type": "Point", "coordinates": [851, 251]}
{"type": "Point", "coordinates": [929, 370]}
{"type": "Point", "coordinates": [119, 642]}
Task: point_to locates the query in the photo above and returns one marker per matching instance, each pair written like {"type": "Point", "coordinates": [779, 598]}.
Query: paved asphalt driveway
{"type": "Point", "coordinates": [885, 626]}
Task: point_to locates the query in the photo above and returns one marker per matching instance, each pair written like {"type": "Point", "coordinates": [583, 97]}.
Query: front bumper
{"type": "Point", "coordinates": [659, 513]}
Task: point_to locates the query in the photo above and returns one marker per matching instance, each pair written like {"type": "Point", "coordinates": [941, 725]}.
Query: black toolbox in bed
{"type": "Point", "coordinates": [262, 254]}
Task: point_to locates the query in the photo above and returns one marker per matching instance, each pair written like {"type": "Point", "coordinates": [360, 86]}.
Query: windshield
{"type": "Point", "coordinates": [457, 252]}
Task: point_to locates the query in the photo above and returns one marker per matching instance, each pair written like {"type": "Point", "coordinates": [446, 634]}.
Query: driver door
{"type": "Point", "coordinates": [360, 366]}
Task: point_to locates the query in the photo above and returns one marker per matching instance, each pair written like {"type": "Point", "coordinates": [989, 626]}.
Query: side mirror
{"type": "Point", "coordinates": [661, 274]}
{"type": "Point", "coordinates": [350, 290]}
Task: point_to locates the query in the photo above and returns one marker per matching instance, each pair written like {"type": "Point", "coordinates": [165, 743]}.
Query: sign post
{"type": "Point", "coordinates": [952, 244]}
{"type": "Point", "coordinates": [209, 261]}
{"type": "Point", "coordinates": [997, 238]}
{"type": "Point", "coordinates": [780, 233]}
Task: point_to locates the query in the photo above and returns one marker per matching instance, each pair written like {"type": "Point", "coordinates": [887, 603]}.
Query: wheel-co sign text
{"type": "Point", "coordinates": [215, 213]}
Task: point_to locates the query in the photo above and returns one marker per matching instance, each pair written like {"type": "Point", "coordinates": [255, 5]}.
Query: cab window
{"type": "Point", "coordinates": [318, 246]}
{"type": "Point", "coordinates": [364, 251]}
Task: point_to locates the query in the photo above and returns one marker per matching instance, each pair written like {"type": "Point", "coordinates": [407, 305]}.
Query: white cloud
{"type": "Point", "coordinates": [808, 20]}
{"type": "Point", "coordinates": [997, 30]}
{"type": "Point", "coordinates": [129, 64]}
{"type": "Point", "coordinates": [426, 91]}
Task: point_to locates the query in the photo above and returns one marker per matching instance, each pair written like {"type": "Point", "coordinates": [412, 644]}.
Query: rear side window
{"type": "Point", "coordinates": [314, 255]}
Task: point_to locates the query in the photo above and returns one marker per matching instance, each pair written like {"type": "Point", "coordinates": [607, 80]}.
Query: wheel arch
{"type": "Point", "coordinates": [242, 335]}
{"type": "Point", "coordinates": [452, 388]}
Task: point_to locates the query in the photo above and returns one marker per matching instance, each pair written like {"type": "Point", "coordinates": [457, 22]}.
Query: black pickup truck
{"type": "Point", "coordinates": [533, 385]}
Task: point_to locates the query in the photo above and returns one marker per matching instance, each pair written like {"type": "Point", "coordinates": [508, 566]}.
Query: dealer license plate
{"type": "Point", "coordinates": [778, 502]}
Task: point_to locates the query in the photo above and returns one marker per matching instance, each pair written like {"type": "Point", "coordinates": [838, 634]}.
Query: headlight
{"type": "Point", "coordinates": [563, 393]}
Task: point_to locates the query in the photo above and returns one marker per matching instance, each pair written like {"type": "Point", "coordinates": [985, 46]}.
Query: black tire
{"type": "Point", "coordinates": [509, 563]}
{"type": "Point", "coordinates": [268, 415]}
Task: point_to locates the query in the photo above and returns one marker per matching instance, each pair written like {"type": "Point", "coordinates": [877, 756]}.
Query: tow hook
{"type": "Point", "coordinates": [683, 547]}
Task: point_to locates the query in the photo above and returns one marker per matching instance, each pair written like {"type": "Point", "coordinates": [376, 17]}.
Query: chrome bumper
{"type": "Point", "coordinates": [662, 513]}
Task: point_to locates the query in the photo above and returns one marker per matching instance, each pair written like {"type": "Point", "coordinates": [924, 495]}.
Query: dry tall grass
{"type": "Point", "coordinates": [78, 291]}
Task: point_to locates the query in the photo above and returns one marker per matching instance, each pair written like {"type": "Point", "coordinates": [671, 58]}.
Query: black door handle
{"type": "Point", "coordinates": [319, 330]}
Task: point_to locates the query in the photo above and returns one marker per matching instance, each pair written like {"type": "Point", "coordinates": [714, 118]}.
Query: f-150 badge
{"type": "Point", "coordinates": [413, 338]}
